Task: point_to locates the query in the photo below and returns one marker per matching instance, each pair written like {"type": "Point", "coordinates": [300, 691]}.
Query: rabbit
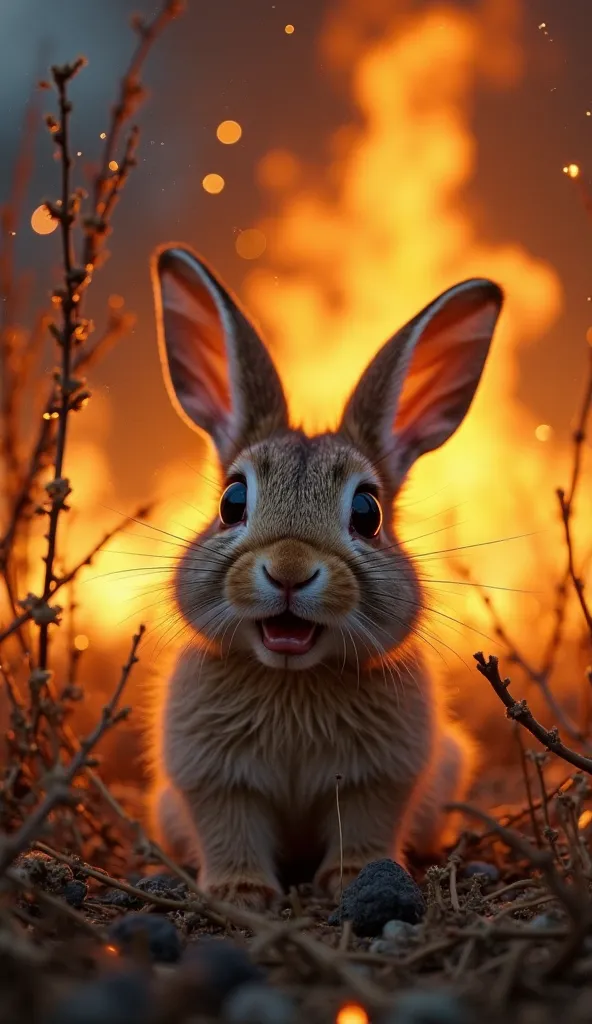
{"type": "Point", "coordinates": [305, 664]}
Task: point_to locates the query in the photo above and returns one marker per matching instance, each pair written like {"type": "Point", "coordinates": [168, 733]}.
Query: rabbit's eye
{"type": "Point", "coordinates": [366, 514]}
{"type": "Point", "coordinates": [233, 503]}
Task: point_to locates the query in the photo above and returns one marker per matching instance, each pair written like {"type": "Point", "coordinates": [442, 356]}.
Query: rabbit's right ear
{"type": "Point", "coordinates": [219, 374]}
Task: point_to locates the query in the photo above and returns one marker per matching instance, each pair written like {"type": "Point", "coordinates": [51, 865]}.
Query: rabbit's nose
{"type": "Point", "coordinates": [285, 581]}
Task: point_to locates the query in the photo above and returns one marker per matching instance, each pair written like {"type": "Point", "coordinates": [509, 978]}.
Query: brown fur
{"type": "Point", "coordinates": [247, 742]}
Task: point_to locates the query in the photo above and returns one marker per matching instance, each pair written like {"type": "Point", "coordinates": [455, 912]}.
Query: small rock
{"type": "Point", "coordinates": [43, 871]}
{"type": "Point", "coordinates": [399, 931]}
{"type": "Point", "coordinates": [419, 1007]}
{"type": "Point", "coordinates": [542, 921]}
{"type": "Point", "coordinates": [163, 885]}
{"type": "Point", "coordinates": [381, 946]}
{"type": "Point", "coordinates": [121, 998]}
{"type": "Point", "coordinates": [383, 891]}
{"type": "Point", "coordinates": [258, 1004]}
{"type": "Point", "coordinates": [119, 898]}
{"type": "Point", "coordinates": [481, 867]}
{"type": "Point", "coordinates": [215, 968]}
{"type": "Point", "coordinates": [160, 934]}
{"type": "Point", "coordinates": [75, 892]}
{"type": "Point", "coordinates": [154, 885]}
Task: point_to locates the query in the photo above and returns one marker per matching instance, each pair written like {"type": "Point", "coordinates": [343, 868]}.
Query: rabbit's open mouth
{"type": "Point", "coordinates": [289, 634]}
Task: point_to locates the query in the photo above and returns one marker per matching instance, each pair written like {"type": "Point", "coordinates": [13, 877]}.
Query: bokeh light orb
{"type": "Point", "coordinates": [228, 132]}
{"type": "Point", "coordinates": [42, 222]}
{"type": "Point", "coordinates": [250, 244]}
{"type": "Point", "coordinates": [213, 183]}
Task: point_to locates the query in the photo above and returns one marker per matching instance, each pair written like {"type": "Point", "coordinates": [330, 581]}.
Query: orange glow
{"type": "Point", "coordinates": [543, 432]}
{"type": "Point", "coordinates": [112, 950]}
{"type": "Point", "coordinates": [584, 819]}
{"type": "Point", "coordinates": [42, 222]}
{"type": "Point", "coordinates": [213, 183]}
{"type": "Point", "coordinates": [289, 29]}
{"type": "Point", "coordinates": [113, 165]}
{"type": "Point", "coordinates": [385, 234]}
{"type": "Point", "coordinates": [81, 642]}
{"type": "Point", "coordinates": [572, 170]}
{"type": "Point", "coordinates": [352, 1013]}
{"type": "Point", "coordinates": [349, 257]}
{"type": "Point", "coordinates": [278, 169]}
{"type": "Point", "coordinates": [250, 244]}
{"type": "Point", "coordinates": [229, 132]}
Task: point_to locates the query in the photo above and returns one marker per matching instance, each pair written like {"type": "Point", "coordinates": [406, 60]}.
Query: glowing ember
{"type": "Point", "coordinates": [584, 819]}
{"type": "Point", "coordinates": [81, 642]}
{"type": "Point", "coordinates": [289, 30]}
{"type": "Point", "coordinates": [51, 415]}
{"type": "Point", "coordinates": [112, 950]}
{"type": "Point", "coordinates": [113, 165]}
{"type": "Point", "coordinates": [543, 432]}
{"type": "Point", "coordinates": [251, 244]}
{"type": "Point", "coordinates": [213, 183]}
{"type": "Point", "coordinates": [42, 222]}
{"type": "Point", "coordinates": [229, 132]}
{"type": "Point", "coordinates": [103, 135]}
{"type": "Point", "coordinates": [572, 170]}
{"type": "Point", "coordinates": [352, 1013]}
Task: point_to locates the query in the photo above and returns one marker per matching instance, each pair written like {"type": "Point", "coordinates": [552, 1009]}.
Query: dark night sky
{"type": "Point", "coordinates": [232, 59]}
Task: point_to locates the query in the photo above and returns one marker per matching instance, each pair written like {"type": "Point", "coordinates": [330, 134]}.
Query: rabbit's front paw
{"type": "Point", "coordinates": [249, 893]}
{"type": "Point", "coordinates": [331, 880]}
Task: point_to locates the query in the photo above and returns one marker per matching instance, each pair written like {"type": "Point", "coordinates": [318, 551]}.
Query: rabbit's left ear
{"type": "Point", "coordinates": [418, 388]}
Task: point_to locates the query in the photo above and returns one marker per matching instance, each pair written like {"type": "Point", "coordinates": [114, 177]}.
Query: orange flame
{"type": "Point", "coordinates": [351, 257]}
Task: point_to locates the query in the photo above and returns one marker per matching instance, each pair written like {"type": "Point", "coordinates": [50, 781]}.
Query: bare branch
{"type": "Point", "coordinates": [518, 711]}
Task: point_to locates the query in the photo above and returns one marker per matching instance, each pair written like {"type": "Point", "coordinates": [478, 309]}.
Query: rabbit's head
{"type": "Point", "coordinates": [302, 565]}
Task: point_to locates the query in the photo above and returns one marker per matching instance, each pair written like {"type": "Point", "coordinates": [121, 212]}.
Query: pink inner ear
{"type": "Point", "coordinates": [196, 351]}
{"type": "Point", "coordinates": [444, 371]}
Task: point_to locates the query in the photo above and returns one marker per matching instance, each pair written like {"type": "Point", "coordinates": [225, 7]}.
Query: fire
{"type": "Point", "coordinates": [352, 1013]}
{"type": "Point", "coordinates": [350, 257]}
{"type": "Point", "coordinates": [351, 263]}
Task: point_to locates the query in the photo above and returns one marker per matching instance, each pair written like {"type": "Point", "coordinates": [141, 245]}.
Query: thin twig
{"type": "Point", "coordinates": [59, 791]}
{"type": "Point", "coordinates": [519, 711]}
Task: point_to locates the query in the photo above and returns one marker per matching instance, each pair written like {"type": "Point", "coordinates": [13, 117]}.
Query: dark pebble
{"type": "Point", "coordinates": [215, 968]}
{"type": "Point", "coordinates": [481, 867]}
{"type": "Point", "coordinates": [75, 893]}
{"type": "Point", "coordinates": [258, 1004]}
{"type": "Point", "coordinates": [428, 1008]}
{"type": "Point", "coordinates": [121, 998]}
{"type": "Point", "coordinates": [160, 934]}
{"type": "Point", "coordinates": [119, 898]}
{"type": "Point", "coordinates": [42, 871]}
{"type": "Point", "coordinates": [383, 891]}
{"type": "Point", "coordinates": [166, 886]}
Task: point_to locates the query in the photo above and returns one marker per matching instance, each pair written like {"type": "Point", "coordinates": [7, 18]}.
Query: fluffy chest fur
{"type": "Point", "coordinates": [287, 735]}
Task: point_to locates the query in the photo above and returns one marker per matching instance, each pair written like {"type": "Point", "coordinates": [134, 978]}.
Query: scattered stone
{"type": "Point", "coordinates": [258, 1004]}
{"type": "Point", "coordinates": [419, 1007]}
{"type": "Point", "coordinates": [546, 920]}
{"type": "Point", "coordinates": [75, 892]}
{"type": "Point", "coordinates": [382, 892]}
{"type": "Point", "coordinates": [481, 867]}
{"type": "Point", "coordinates": [215, 968]}
{"type": "Point", "coordinates": [396, 936]}
{"type": "Point", "coordinates": [158, 932]}
{"type": "Point", "coordinates": [167, 886]}
{"type": "Point", "coordinates": [399, 931]}
{"type": "Point", "coordinates": [121, 998]}
{"type": "Point", "coordinates": [40, 870]}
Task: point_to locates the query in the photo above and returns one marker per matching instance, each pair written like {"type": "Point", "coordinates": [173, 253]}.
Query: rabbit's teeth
{"type": "Point", "coordinates": [288, 634]}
